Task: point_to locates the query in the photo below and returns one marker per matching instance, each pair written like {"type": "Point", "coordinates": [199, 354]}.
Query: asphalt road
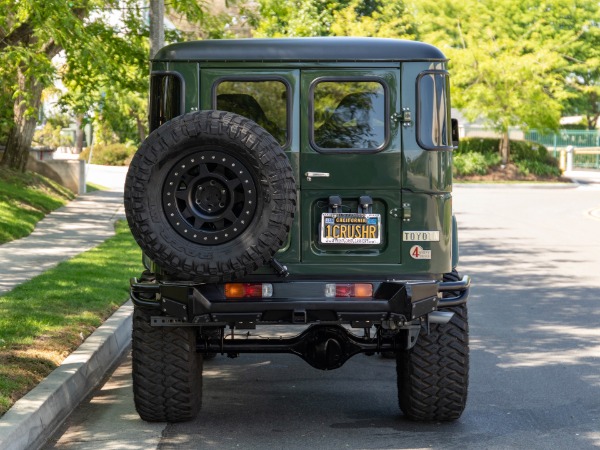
{"type": "Point", "coordinates": [534, 256]}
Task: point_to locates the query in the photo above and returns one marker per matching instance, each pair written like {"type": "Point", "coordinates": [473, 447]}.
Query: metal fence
{"type": "Point", "coordinates": [586, 144]}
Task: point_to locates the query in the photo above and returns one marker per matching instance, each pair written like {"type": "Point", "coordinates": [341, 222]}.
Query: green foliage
{"type": "Point", "coordinates": [24, 200]}
{"type": "Point", "coordinates": [109, 155]}
{"type": "Point", "coordinates": [104, 69]}
{"type": "Point", "coordinates": [506, 58]}
{"type": "Point", "coordinates": [582, 54]}
{"type": "Point", "coordinates": [475, 156]}
{"type": "Point", "coordinates": [384, 18]}
{"type": "Point", "coordinates": [477, 145]}
{"type": "Point", "coordinates": [528, 151]}
{"type": "Point", "coordinates": [537, 168]}
{"type": "Point", "coordinates": [574, 126]}
{"type": "Point", "coordinates": [50, 136]}
{"type": "Point", "coordinates": [472, 163]}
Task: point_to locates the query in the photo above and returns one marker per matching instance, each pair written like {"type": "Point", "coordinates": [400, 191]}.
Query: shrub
{"type": "Point", "coordinates": [109, 155]}
{"type": "Point", "coordinates": [528, 151]}
{"type": "Point", "coordinates": [50, 136]}
{"type": "Point", "coordinates": [537, 168]}
{"type": "Point", "coordinates": [478, 145]}
{"type": "Point", "coordinates": [472, 163]}
{"type": "Point", "coordinates": [519, 150]}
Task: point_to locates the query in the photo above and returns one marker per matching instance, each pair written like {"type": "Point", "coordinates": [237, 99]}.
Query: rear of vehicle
{"type": "Point", "coordinates": [302, 182]}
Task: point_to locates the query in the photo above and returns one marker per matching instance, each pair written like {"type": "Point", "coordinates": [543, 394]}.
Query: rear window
{"type": "Point", "coordinates": [433, 111]}
{"type": "Point", "coordinates": [166, 98]}
{"type": "Point", "coordinates": [263, 101]}
{"type": "Point", "coordinates": [348, 115]}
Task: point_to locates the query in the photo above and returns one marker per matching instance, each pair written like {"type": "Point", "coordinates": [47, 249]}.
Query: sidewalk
{"type": "Point", "coordinates": [79, 226]}
{"type": "Point", "coordinates": [584, 177]}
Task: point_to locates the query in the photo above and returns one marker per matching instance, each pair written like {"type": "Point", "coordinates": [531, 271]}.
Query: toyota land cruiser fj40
{"type": "Point", "coordinates": [301, 181]}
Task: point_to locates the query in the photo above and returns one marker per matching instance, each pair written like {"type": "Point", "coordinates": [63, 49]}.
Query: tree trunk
{"type": "Point", "coordinates": [78, 133]}
{"type": "Point", "coordinates": [141, 128]}
{"type": "Point", "coordinates": [26, 108]}
{"type": "Point", "coordinates": [505, 148]}
{"type": "Point", "coordinates": [592, 116]}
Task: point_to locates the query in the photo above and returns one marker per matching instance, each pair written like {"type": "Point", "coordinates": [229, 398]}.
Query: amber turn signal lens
{"type": "Point", "coordinates": [363, 290]}
{"type": "Point", "coordinates": [234, 290]}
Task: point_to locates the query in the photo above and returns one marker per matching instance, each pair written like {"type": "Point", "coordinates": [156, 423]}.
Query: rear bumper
{"type": "Point", "coordinates": [297, 303]}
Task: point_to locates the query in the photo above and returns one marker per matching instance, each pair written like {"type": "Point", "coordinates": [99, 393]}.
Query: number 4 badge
{"type": "Point", "coordinates": [418, 252]}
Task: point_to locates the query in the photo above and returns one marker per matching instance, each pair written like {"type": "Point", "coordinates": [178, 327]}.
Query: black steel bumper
{"type": "Point", "coordinates": [204, 305]}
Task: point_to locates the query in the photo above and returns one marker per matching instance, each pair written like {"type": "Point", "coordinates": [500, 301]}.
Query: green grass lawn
{"type": "Point", "coordinates": [45, 319]}
{"type": "Point", "coordinates": [25, 198]}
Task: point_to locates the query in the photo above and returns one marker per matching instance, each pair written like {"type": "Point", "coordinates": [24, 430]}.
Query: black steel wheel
{"type": "Point", "coordinates": [210, 196]}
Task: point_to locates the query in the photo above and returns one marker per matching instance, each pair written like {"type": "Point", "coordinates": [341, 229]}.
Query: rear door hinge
{"type": "Point", "coordinates": [404, 117]}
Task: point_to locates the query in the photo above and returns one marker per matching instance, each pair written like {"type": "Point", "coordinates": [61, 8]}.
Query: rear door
{"type": "Point", "coordinates": [350, 167]}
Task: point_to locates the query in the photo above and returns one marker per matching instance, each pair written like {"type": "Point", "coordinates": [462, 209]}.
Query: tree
{"type": "Point", "coordinates": [383, 18]}
{"type": "Point", "coordinates": [26, 48]}
{"type": "Point", "coordinates": [32, 33]}
{"type": "Point", "coordinates": [305, 17]}
{"type": "Point", "coordinates": [101, 55]}
{"type": "Point", "coordinates": [506, 60]}
{"type": "Point", "coordinates": [582, 53]}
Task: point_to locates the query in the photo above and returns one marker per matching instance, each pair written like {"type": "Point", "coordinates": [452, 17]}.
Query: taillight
{"type": "Point", "coordinates": [349, 290]}
{"type": "Point", "coordinates": [248, 290]}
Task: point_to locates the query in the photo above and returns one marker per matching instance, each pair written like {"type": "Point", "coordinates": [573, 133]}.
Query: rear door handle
{"type": "Point", "coordinates": [310, 175]}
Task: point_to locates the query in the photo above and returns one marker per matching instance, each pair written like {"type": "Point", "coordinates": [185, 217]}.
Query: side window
{"type": "Point", "coordinates": [166, 98]}
{"type": "Point", "coordinates": [433, 111]}
{"type": "Point", "coordinates": [265, 102]}
{"type": "Point", "coordinates": [349, 115]}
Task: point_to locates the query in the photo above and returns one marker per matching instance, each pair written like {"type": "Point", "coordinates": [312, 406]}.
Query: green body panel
{"type": "Point", "coordinates": [423, 170]}
{"type": "Point", "coordinates": [429, 212]}
{"type": "Point", "coordinates": [410, 186]}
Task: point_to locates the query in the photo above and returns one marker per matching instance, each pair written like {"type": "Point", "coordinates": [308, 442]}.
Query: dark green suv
{"type": "Point", "coordinates": [305, 182]}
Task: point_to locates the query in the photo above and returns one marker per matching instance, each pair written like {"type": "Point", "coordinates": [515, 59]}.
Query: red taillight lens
{"type": "Point", "coordinates": [349, 290]}
{"type": "Point", "coordinates": [344, 290]}
{"type": "Point", "coordinates": [247, 290]}
{"type": "Point", "coordinates": [253, 290]}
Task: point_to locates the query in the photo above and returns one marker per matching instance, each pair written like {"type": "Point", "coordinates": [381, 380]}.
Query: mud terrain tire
{"type": "Point", "coordinates": [167, 371]}
{"type": "Point", "coordinates": [210, 196]}
{"type": "Point", "coordinates": [433, 376]}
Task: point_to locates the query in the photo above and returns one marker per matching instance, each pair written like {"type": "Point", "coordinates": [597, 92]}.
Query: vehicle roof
{"type": "Point", "coordinates": [320, 49]}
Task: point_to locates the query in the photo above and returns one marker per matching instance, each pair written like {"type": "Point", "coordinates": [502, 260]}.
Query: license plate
{"type": "Point", "coordinates": [345, 228]}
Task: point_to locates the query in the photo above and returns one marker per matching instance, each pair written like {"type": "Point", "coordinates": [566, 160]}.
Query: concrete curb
{"type": "Point", "coordinates": [35, 417]}
{"type": "Point", "coordinates": [539, 185]}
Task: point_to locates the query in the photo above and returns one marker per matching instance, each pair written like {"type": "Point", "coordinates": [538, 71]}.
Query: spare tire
{"type": "Point", "coordinates": [210, 196]}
